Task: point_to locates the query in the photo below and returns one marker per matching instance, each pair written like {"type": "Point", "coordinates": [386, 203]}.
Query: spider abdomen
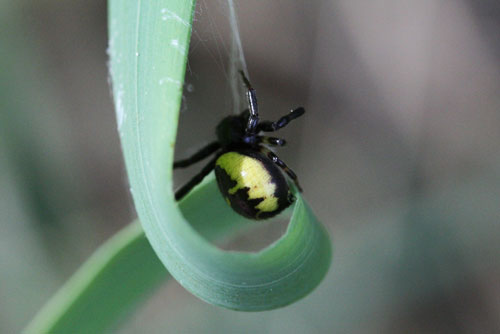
{"type": "Point", "coordinates": [252, 184]}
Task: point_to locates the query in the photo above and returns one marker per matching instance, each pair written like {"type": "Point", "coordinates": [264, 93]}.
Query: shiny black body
{"type": "Point", "coordinates": [231, 132]}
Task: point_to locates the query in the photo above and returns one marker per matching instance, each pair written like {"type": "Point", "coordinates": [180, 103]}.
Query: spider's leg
{"type": "Point", "coordinates": [282, 165]}
{"type": "Point", "coordinates": [180, 193]}
{"type": "Point", "coordinates": [272, 141]}
{"type": "Point", "coordinates": [247, 83]}
{"type": "Point", "coordinates": [268, 126]}
{"type": "Point", "coordinates": [198, 156]}
{"type": "Point", "coordinates": [253, 119]}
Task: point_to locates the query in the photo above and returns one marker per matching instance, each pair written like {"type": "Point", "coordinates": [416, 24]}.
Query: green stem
{"type": "Point", "coordinates": [120, 274]}
{"type": "Point", "coordinates": [110, 283]}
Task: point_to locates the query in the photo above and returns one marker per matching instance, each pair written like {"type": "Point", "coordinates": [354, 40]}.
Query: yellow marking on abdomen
{"type": "Point", "coordinates": [250, 173]}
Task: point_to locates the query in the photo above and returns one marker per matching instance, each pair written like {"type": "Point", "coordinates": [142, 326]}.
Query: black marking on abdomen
{"type": "Point", "coordinates": [239, 200]}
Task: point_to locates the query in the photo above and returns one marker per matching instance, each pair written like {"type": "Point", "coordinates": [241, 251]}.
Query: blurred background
{"type": "Point", "coordinates": [398, 153]}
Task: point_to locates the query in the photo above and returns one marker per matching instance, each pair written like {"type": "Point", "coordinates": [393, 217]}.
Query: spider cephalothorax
{"type": "Point", "coordinates": [248, 174]}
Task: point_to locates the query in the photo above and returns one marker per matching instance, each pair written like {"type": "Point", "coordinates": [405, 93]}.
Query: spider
{"type": "Point", "coordinates": [248, 173]}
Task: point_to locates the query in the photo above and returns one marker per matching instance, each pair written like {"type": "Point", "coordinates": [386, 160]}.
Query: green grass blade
{"type": "Point", "coordinates": [108, 285]}
{"type": "Point", "coordinates": [148, 48]}
{"type": "Point", "coordinates": [120, 274]}
{"type": "Point", "coordinates": [148, 43]}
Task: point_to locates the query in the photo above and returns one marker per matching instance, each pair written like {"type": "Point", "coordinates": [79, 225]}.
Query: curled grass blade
{"type": "Point", "coordinates": [148, 51]}
{"type": "Point", "coordinates": [149, 43]}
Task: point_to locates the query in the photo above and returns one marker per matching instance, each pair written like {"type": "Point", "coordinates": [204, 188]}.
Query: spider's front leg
{"type": "Point", "coordinates": [281, 165]}
{"type": "Point", "coordinates": [268, 126]}
{"type": "Point", "coordinates": [198, 156]}
{"type": "Point", "coordinates": [253, 118]}
{"type": "Point", "coordinates": [179, 194]}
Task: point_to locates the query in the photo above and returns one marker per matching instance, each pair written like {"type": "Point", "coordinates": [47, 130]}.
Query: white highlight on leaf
{"type": "Point", "coordinates": [169, 80]}
{"type": "Point", "coordinates": [167, 14]}
{"type": "Point", "coordinates": [178, 47]}
{"type": "Point", "coordinates": [120, 109]}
